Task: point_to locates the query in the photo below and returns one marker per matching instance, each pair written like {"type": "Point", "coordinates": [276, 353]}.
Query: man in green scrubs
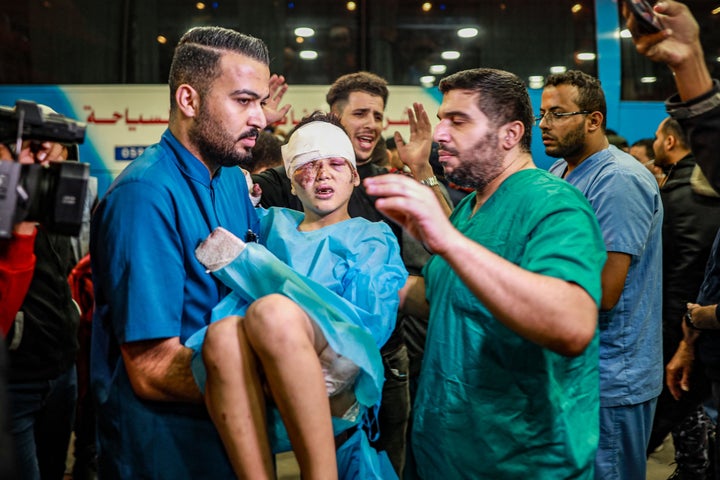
{"type": "Point", "coordinates": [509, 382]}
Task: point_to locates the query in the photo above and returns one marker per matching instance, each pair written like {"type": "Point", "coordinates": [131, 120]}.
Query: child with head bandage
{"type": "Point", "coordinates": [309, 307]}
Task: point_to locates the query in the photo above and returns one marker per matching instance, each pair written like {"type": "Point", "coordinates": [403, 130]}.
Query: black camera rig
{"type": "Point", "coordinates": [53, 194]}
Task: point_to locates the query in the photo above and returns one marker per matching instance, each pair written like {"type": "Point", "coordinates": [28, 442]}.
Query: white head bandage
{"type": "Point", "coordinates": [313, 141]}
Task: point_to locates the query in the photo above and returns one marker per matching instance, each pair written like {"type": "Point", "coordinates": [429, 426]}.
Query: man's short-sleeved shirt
{"type": "Point", "coordinates": [626, 200]}
{"type": "Point", "coordinates": [483, 388]}
{"type": "Point", "coordinates": [148, 285]}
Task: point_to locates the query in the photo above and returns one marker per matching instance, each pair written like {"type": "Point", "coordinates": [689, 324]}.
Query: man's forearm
{"type": "Point", "coordinates": [690, 335]}
{"type": "Point", "coordinates": [551, 312]}
{"type": "Point", "coordinates": [692, 77]}
{"type": "Point", "coordinates": [159, 370]}
{"type": "Point", "coordinates": [412, 298]}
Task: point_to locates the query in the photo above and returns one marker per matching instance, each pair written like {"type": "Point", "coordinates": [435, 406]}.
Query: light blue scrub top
{"type": "Point", "coordinates": [626, 199]}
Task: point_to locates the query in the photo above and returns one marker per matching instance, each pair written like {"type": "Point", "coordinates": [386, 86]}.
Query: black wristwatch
{"type": "Point", "coordinates": [689, 320]}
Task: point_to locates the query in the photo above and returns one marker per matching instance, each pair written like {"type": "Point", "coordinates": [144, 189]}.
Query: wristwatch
{"type": "Point", "coordinates": [689, 320]}
{"type": "Point", "coordinates": [430, 181]}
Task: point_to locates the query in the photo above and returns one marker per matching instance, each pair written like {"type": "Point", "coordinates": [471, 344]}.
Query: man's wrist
{"type": "Point", "coordinates": [688, 319]}
{"type": "Point", "coordinates": [692, 76]}
{"type": "Point", "coordinates": [430, 181]}
{"type": "Point", "coordinates": [702, 318]}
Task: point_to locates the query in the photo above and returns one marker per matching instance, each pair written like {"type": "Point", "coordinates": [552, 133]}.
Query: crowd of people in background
{"type": "Point", "coordinates": [422, 307]}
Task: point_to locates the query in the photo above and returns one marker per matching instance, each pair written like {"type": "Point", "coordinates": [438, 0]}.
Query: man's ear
{"type": "Point", "coordinates": [338, 107]}
{"type": "Point", "coordinates": [670, 142]}
{"type": "Point", "coordinates": [188, 100]}
{"type": "Point", "coordinates": [595, 120]}
{"type": "Point", "coordinates": [510, 134]}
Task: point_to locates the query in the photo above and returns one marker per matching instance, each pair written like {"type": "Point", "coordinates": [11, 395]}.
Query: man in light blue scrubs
{"type": "Point", "coordinates": [626, 200]}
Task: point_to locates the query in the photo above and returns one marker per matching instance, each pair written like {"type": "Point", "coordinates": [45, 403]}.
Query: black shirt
{"type": "Point", "coordinates": [46, 336]}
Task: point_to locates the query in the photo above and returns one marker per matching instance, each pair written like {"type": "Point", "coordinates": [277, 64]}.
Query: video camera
{"type": "Point", "coordinates": [52, 195]}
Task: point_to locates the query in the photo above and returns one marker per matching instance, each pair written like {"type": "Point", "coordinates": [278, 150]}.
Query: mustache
{"type": "Point", "coordinates": [252, 133]}
{"type": "Point", "coordinates": [444, 149]}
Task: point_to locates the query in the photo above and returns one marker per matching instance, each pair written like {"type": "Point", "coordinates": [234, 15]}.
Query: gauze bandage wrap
{"type": "Point", "coordinates": [313, 141]}
{"type": "Point", "coordinates": [218, 249]}
{"type": "Point", "coordinates": [339, 372]}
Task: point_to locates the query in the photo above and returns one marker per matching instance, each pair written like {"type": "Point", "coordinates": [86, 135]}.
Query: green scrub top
{"type": "Point", "coordinates": [490, 403]}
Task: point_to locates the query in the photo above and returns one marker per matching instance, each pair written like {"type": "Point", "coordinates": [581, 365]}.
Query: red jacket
{"type": "Point", "coordinates": [17, 263]}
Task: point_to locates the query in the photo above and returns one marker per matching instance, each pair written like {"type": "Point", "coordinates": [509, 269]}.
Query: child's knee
{"type": "Point", "coordinates": [220, 340]}
{"type": "Point", "coordinates": [275, 319]}
{"type": "Point", "coordinates": [271, 313]}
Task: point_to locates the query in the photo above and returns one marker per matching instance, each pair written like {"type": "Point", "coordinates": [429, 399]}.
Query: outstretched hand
{"type": "Point", "coordinates": [273, 112]}
{"type": "Point", "coordinates": [416, 152]}
{"type": "Point", "coordinates": [413, 206]}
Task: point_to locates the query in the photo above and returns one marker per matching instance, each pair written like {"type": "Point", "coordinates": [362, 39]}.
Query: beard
{"type": "Point", "coordinates": [660, 159]}
{"type": "Point", "coordinates": [216, 145]}
{"type": "Point", "coordinates": [482, 167]}
{"type": "Point", "coordinates": [570, 145]}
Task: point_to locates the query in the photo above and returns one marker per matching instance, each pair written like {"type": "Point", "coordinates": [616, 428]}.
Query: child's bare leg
{"type": "Point", "coordinates": [235, 399]}
{"type": "Point", "coordinates": [287, 343]}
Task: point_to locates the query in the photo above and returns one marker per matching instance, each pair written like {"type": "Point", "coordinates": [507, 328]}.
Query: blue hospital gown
{"type": "Point", "coordinates": [346, 276]}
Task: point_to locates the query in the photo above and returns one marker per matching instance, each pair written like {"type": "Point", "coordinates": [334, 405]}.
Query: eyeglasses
{"type": "Point", "coordinates": [551, 116]}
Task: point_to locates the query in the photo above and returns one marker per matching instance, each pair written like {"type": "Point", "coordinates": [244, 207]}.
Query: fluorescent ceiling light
{"type": "Point", "coordinates": [450, 55]}
{"type": "Point", "coordinates": [468, 32]}
{"type": "Point", "coordinates": [304, 32]}
{"type": "Point", "coordinates": [586, 56]}
{"type": "Point", "coordinates": [308, 54]}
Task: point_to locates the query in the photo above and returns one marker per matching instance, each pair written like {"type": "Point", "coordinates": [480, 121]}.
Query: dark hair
{"type": "Point", "coordinates": [317, 116]}
{"type": "Point", "coordinates": [266, 153]}
{"type": "Point", "coordinates": [647, 143]}
{"type": "Point", "coordinates": [379, 155]}
{"type": "Point", "coordinates": [672, 127]}
{"type": "Point", "coordinates": [197, 56]}
{"type": "Point", "coordinates": [366, 82]}
{"type": "Point", "coordinates": [590, 94]}
{"type": "Point", "coordinates": [618, 140]}
{"type": "Point", "coordinates": [503, 97]}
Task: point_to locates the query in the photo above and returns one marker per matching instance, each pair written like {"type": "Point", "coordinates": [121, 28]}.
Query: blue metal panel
{"type": "Point", "coordinates": [633, 120]}
{"type": "Point", "coordinates": [607, 24]}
